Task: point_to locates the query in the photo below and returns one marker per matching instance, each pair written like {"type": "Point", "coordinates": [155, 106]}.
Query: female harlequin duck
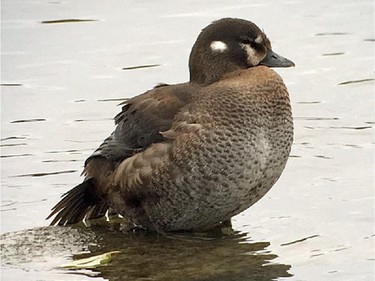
{"type": "Point", "coordinates": [193, 155]}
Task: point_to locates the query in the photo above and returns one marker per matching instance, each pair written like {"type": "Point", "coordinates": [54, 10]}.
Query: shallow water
{"type": "Point", "coordinates": [67, 64]}
{"type": "Point", "coordinates": [143, 256]}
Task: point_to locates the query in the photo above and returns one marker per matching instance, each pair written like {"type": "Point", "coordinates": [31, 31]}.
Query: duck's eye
{"type": "Point", "coordinates": [246, 40]}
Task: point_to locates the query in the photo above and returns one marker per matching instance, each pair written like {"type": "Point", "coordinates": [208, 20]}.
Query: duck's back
{"type": "Point", "coordinates": [224, 151]}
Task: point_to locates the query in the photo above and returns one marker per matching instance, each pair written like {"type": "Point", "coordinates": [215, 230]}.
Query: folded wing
{"type": "Point", "coordinates": [138, 126]}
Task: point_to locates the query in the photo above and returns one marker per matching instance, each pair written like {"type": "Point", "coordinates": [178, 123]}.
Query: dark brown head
{"type": "Point", "coordinates": [227, 45]}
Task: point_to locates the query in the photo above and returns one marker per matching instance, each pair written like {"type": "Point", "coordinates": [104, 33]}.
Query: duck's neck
{"type": "Point", "coordinates": [208, 75]}
{"type": "Point", "coordinates": [206, 68]}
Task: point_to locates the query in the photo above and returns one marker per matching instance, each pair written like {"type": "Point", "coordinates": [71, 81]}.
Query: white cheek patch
{"type": "Point", "coordinates": [253, 57]}
{"type": "Point", "coordinates": [218, 46]}
{"type": "Point", "coordinates": [259, 39]}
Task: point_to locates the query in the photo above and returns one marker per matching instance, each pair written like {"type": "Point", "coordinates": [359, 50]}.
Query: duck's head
{"type": "Point", "coordinates": [230, 44]}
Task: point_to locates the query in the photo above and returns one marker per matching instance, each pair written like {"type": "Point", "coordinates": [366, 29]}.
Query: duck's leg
{"type": "Point", "coordinates": [227, 223]}
{"type": "Point", "coordinates": [224, 228]}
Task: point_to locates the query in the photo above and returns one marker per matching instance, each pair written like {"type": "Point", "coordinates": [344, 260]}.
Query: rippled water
{"type": "Point", "coordinates": [65, 65]}
{"type": "Point", "coordinates": [143, 256]}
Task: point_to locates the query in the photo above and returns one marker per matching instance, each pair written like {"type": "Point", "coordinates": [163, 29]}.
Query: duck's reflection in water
{"type": "Point", "coordinates": [144, 256]}
{"type": "Point", "coordinates": [148, 256]}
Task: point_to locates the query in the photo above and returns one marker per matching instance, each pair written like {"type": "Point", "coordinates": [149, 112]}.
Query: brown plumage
{"type": "Point", "coordinates": [193, 155]}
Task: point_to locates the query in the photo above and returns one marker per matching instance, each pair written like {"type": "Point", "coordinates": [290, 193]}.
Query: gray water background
{"type": "Point", "coordinates": [62, 81]}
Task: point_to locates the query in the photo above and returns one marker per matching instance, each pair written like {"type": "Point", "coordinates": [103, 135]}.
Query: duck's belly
{"type": "Point", "coordinates": [222, 178]}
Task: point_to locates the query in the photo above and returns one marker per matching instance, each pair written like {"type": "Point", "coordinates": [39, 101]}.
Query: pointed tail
{"type": "Point", "coordinates": [79, 203]}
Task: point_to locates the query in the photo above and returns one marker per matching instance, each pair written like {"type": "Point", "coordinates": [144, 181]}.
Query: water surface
{"type": "Point", "coordinates": [67, 64]}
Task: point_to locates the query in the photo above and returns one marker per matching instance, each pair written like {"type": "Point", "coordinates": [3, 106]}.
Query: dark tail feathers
{"type": "Point", "coordinates": [79, 203]}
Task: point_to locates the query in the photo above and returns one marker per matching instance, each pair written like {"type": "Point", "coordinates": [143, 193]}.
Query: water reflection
{"type": "Point", "coordinates": [144, 256]}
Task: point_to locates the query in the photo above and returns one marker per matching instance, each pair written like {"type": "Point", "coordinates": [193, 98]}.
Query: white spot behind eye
{"type": "Point", "coordinates": [218, 46]}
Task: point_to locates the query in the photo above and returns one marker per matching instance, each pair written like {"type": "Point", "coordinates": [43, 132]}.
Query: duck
{"type": "Point", "coordinates": [190, 156]}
